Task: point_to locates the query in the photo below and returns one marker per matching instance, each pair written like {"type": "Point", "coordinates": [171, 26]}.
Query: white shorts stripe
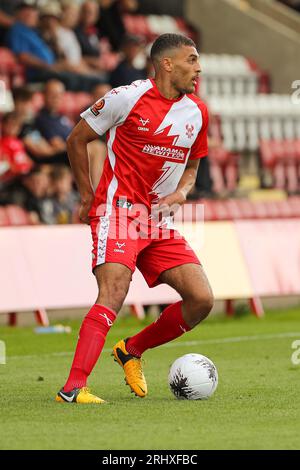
{"type": "Point", "coordinates": [102, 240]}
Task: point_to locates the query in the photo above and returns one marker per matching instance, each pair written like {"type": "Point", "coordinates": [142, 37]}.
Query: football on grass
{"type": "Point", "coordinates": [193, 377]}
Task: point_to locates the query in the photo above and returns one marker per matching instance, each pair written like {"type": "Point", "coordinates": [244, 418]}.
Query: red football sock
{"type": "Point", "coordinates": [168, 326]}
{"type": "Point", "coordinates": [91, 340]}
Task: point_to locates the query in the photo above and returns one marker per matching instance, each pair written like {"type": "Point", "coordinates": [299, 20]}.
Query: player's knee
{"type": "Point", "coordinates": [113, 295]}
{"type": "Point", "coordinates": [199, 307]}
{"type": "Point", "coordinates": [205, 305]}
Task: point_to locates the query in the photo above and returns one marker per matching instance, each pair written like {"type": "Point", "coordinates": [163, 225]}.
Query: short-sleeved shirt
{"type": "Point", "coordinates": [53, 125]}
{"type": "Point", "coordinates": [22, 39]}
{"type": "Point", "coordinates": [149, 140]}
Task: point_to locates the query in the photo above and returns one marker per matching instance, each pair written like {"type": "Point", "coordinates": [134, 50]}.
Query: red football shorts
{"type": "Point", "coordinates": [119, 240]}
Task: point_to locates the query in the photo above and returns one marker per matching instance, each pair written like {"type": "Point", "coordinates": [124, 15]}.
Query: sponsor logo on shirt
{"type": "Point", "coordinates": [96, 108]}
{"type": "Point", "coordinates": [172, 153]}
{"type": "Point", "coordinates": [144, 123]}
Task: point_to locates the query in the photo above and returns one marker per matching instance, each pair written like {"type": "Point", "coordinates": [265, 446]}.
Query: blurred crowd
{"type": "Point", "coordinates": [67, 40]}
{"type": "Point", "coordinates": [295, 4]}
{"type": "Point", "coordinates": [34, 167]}
{"type": "Point", "coordinates": [62, 46]}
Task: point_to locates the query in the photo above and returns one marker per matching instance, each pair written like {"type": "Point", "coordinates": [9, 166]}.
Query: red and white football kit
{"type": "Point", "coordinates": [149, 140]}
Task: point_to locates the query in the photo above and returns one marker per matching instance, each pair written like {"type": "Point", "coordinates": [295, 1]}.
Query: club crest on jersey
{"type": "Point", "coordinates": [96, 108]}
{"type": "Point", "coordinates": [189, 130]}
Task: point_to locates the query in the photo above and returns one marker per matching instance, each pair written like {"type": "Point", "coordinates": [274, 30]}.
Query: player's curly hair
{"type": "Point", "coordinates": [168, 41]}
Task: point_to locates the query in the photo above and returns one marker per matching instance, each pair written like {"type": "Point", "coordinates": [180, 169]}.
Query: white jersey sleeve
{"type": "Point", "coordinates": [113, 109]}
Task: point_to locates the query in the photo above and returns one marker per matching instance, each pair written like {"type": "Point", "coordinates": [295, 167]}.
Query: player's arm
{"type": "Point", "coordinates": [169, 204]}
{"type": "Point", "coordinates": [188, 179]}
{"type": "Point", "coordinates": [77, 142]}
{"type": "Point", "coordinates": [106, 113]}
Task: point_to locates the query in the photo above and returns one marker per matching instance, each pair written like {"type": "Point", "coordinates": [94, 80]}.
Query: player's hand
{"type": "Point", "coordinates": [168, 205]}
{"type": "Point", "coordinates": [84, 210]}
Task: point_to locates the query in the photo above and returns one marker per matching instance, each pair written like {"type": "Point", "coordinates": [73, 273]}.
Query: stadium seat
{"type": "Point", "coordinates": [246, 120]}
{"type": "Point", "coordinates": [4, 220]}
{"type": "Point", "coordinates": [71, 106]}
{"type": "Point", "coordinates": [294, 203]}
{"type": "Point", "coordinates": [246, 208]}
{"type": "Point", "coordinates": [17, 216]}
{"type": "Point", "coordinates": [11, 71]}
{"type": "Point", "coordinates": [74, 103]}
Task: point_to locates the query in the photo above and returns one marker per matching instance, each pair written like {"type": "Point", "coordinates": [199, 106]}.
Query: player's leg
{"type": "Point", "coordinates": [113, 282]}
{"type": "Point", "coordinates": [190, 281]}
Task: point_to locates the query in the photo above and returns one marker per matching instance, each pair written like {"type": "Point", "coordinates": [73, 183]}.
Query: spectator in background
{"type": "Point", "coordinates": [203, 185]}
{"type": "Point", "coordinates": [33, 52]}
{"type": "Point", "coordinates": [66, 36]}
{"type": "Point", "coordinates": [33, 196]}
{"type": "Point", "coordinates": [14, 160]}
{"type": "Point", "coordinates": [61, 40]}
{"type": "Point", "coordinates": [37, 147]}
{"type": "Point", "coordinates": [54, 126]}
{"type": "Point", "coordinates": [129, 68]}
{"type": "Point", "coordinates": [65, 199]}
{"type": "Point", "coordinates": [6, 22]}
{"type": "Point", "coordinates": [110, 23]}
{"type": "Point", "coordinates": [50, 15]}
{"type": "Point", "coordinates": [87, 33]}
{"type": "Point", "coordinates": [295, 4]}
{"type": "Point", "coordinates": [7, 17]}
{"type": "Point", "coordinates": [98, 92]}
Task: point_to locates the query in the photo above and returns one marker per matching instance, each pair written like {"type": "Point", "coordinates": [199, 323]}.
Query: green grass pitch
{"type": "Point", "coordinates": [256, 405]}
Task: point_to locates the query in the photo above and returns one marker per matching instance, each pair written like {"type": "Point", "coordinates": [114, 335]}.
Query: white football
{"type": "Point", "coordinates": [193, 377]}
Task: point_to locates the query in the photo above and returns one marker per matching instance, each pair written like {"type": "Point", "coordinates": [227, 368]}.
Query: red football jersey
{"type": "Point", "coordinates": [149, 140]}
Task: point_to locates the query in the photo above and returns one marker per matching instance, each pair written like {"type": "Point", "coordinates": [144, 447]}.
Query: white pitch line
{"type": "Point", "coordinates": [234, 339]}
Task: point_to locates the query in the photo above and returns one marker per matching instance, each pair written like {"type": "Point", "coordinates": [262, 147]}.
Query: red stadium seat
{"type": "Point", "coordinates": [234, 209]}
{"type": "Point", "coordinates": [285, 210]}
{"type": "Point", "coordinates": [7, 59]}
{"type": "Point", "coordinates": [259, 210]}
{"type": "Point", "coordinates": [4, 220]}
{"type": "Point", "coordinates": [221, 211]}
{"type": "Point", "coordinates": [74, 103]}
{"type": "Point", "coordinates": [267, 153]}
{"type": "Point", "coordinates": [209, 212]}
{"type": "Point", "coordinates": [17, 216]}
{"type": "Point", "coordinates": [297, 149]}
{"type": "Point", "coordinates": [294, 203]}
{"type": "Point", "coordinates": [246, 208]}
{"type": "Point", "coordinates": [10, 70]}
